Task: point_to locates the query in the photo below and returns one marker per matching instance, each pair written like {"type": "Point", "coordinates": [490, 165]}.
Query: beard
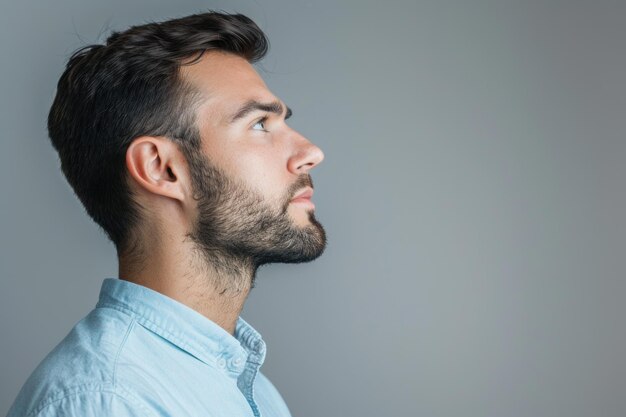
{"type": "Point", "coordinates": [237, 230]}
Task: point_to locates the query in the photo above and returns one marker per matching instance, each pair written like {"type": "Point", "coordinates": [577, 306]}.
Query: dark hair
{"type": "Point", "coordinates": [111, 94]}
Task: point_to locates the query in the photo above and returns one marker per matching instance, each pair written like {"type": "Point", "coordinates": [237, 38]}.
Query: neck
{"type": "Point", "coordinates": [212, 283]}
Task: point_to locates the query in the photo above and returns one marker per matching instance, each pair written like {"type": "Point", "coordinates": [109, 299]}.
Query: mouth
{"type": "Point", "coordinates": [304, 198]}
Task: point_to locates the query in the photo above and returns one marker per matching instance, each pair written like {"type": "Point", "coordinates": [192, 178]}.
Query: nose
{"type": "Point", "coordinates": [306, 156]}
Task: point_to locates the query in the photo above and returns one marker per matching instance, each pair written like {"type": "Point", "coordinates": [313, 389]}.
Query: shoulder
{"type": "Point", "coordinates": [81, 366]}
{"type": "Point", "coordinates": [87, 401]}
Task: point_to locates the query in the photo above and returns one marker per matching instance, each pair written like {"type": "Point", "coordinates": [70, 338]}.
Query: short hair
{"type": "Point", "coordinates": [129, 87]}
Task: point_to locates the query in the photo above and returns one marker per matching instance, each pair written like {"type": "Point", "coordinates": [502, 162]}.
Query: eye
{"type": "Point", "coordinates": [260, 125]}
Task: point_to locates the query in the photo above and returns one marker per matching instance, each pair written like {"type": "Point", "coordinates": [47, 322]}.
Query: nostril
{"type": "Point", "coordinates": [306, 166]}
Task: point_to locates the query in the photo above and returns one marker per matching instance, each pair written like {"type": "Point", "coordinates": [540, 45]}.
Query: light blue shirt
{"type": "Point", "coordinates": [141, 353]}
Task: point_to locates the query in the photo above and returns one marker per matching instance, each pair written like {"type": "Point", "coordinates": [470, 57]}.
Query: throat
{"type": "Point", "coordinates": [215, 286]}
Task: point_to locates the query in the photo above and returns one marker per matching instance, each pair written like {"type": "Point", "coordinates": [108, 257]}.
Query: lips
{"type": "Point", "coordinates": [307, 193]}
{"type": "Point", "coordinates": [303, 198]}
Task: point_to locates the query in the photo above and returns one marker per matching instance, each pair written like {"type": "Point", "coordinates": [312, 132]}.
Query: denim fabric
{"type": "Point", "coordinates": [140, 353]}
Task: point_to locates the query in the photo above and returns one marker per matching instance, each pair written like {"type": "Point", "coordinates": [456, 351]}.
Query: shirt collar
{"type": "Point", "coordinates": [185, 327]}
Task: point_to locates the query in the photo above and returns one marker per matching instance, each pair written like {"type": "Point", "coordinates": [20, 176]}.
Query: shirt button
{"type": "Point", "coordinates": [221, 362]}
{"type": "Point", "coordinates": [237, 361]}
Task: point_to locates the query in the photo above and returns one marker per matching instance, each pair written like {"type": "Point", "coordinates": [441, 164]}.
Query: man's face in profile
{"type": "Point", "coordinates": [251, 167]}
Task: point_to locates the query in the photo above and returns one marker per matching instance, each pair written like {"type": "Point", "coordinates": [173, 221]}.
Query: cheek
{"type": "Point", "coordinates": [263, 172]}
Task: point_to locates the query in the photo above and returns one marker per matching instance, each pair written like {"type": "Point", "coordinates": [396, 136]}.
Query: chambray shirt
{"type": "Point", "coordinates": [140, 353]}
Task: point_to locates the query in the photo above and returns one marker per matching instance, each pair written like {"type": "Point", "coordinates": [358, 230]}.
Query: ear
{"type": "Point", "coordinates": [157, 165]}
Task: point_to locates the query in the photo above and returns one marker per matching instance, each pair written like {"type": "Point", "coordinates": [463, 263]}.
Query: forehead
{"type": "Point", "coordinates": [225, 82]}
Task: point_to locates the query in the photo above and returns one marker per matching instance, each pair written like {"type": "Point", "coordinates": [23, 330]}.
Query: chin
{"type": "Point", "coordinates": [309, 245]}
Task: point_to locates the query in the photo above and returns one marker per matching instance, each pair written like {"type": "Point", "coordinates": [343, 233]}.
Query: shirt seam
{"type": "Point", "coordinates": [119, 351]}
{"type": "Point", "coordinates": [128, 398]}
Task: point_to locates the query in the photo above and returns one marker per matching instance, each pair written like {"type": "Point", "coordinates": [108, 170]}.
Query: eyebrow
{"type": "Point", "coordinates": [275, 107]}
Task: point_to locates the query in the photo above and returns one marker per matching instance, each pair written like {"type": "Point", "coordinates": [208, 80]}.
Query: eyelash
{"type": "Point", "coordinates": [263, 120]}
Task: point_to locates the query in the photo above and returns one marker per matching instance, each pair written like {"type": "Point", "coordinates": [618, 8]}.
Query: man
{"type": "Point", "coordinates": [182, 155]}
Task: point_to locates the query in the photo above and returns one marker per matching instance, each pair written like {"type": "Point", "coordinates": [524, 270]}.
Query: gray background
{"type": "Point", "coordinates": [474, 192]}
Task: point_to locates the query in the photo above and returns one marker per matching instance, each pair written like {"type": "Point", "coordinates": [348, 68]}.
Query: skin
{"type": "Point", "coordinates": [265, 161]}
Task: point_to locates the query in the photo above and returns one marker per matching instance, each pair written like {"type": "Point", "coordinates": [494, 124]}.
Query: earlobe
{"type": "Point", "coordinates": [152, 163]}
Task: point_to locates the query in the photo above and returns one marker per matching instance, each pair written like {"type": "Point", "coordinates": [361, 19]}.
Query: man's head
{"type": "Point", "coordinates": [170, 122]}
